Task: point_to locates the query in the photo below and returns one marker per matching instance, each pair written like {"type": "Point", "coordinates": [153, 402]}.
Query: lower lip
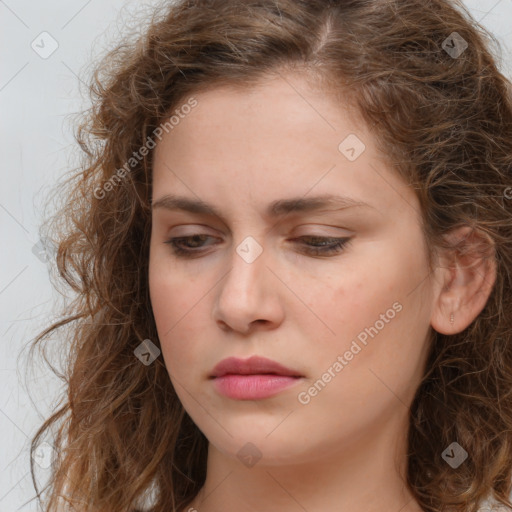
{"type": "Point", "coordinates": [252, 387]}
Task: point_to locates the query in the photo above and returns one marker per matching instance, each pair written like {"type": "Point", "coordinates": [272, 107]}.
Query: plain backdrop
{"type": "Point", "coordinates": [46, 48]}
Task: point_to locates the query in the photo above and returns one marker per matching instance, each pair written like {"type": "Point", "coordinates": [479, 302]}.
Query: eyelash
{"type": "Point", "coordinates": [326, 250]}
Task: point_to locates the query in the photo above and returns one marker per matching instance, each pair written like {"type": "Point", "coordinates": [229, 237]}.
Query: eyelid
{"type": "Point", "coordinates": [311, 230]}
{"type": "Point", "coordinates": [340, 231]}
{"type": "Point", "coordinates": [190, 230]}
{"type": "Point", "coordinates": [335, 246]}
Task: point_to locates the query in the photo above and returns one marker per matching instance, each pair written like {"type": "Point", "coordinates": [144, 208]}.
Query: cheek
{"type": "Point", "coordinates": [172, 291]}
{"type": "Point", "coordinates": [181, 304]}
{"type": "Point", "coordinates": [381, 356]}
{"type": "Point", "coordinates": [173, 302]}
{"type": "Point", "coordinates": [377, 312]}
{"type": "Point", "coordinates": [387, 317]}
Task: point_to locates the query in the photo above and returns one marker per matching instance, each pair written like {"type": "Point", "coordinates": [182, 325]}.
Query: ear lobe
{"type": "Point", "coordinates": [468, 274]}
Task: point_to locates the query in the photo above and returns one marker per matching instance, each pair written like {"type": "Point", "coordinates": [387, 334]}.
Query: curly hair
{"type": "Point", "coordinates": [441, 112]}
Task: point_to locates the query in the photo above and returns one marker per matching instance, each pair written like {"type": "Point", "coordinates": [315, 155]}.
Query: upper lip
{"type": "Point", "coordinates": [252, 366]}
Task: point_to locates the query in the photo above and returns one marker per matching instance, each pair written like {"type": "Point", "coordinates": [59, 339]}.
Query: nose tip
{"type": "Point", "coordinates": [247, 296]}
{"type": "Point", "coordinates": [240, 327]}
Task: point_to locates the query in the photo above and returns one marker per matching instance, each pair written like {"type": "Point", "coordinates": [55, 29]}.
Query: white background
{"type": "Point", "coordinates": [37, 98]}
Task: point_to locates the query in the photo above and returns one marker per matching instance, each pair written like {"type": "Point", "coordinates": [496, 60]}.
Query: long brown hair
{"type": "Point", "coordinates": [423, 75]}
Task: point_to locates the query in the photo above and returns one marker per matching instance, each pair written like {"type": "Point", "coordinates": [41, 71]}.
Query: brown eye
{"type": "Point", "coordinates": [186, 246]}
{"type": "Point", "coordinates": [324, 246]}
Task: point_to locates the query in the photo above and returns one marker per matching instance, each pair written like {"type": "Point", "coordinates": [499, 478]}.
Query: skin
{"type": "Point", "coordinates": [346, 448]}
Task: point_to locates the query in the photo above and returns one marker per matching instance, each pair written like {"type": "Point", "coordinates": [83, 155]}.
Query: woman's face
{"type": "Point", "coordinates": [352, 321]}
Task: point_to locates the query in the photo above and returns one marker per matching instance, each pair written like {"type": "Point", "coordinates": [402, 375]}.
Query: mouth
{"type": "Point", "coordinates": [255, 378]}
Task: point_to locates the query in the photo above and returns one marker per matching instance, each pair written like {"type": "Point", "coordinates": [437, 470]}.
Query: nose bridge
{"type": "Point", "coordinates": [247, 269]}
{"type": "Point", "coordinates": [245, 294]}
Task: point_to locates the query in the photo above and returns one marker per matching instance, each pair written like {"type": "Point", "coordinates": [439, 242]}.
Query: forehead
{"type": "Point", "coordinates": [284, 106]}
{"type": "Point", "coordinates": [278, 139]}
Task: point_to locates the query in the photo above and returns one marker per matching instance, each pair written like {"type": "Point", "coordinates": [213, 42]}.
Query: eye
{"type": "Point", "coordinates": [177, 247]}
{"type": "Point", "coordinates": [325, 246]}
{"type": "Point", "coordinates": [187, 246]}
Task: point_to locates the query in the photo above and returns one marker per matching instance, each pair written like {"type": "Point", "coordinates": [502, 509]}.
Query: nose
{"type": "Point", "coordinates": [248, 297]}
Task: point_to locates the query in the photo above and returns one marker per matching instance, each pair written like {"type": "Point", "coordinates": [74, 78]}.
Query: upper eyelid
{"type": "Point", "coordinates": [172, 239]}
{"type": "Point", "coordinates": [313, 226]}
{"type": "Point", "coordinates": [333, 239]}
{"type": "Point", "coordinates": [292, 238]}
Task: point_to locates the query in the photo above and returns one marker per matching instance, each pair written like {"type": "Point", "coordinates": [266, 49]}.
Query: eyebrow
{"type": "Point", "coordinates": [278, 208]}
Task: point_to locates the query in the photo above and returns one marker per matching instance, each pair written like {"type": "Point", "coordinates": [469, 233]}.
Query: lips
{"type": "Point", "coordinates": [256, 378]}
{"type": "Point", "coordinates": [255, 365]}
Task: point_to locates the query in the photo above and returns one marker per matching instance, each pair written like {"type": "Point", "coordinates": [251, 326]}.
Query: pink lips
{"type": "Point", "coordinates": [252, 379]}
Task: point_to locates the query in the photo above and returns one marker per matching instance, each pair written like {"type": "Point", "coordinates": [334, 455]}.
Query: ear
{"type": "Point", "coordinates": [465, 275]}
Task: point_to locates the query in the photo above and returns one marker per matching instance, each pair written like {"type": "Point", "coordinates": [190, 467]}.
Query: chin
{"type": "Point", "coordinates": [264, 447]}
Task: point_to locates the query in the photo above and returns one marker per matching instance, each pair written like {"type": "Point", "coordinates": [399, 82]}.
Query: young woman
{"type": "Point", "coordinates": [291, 245]}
